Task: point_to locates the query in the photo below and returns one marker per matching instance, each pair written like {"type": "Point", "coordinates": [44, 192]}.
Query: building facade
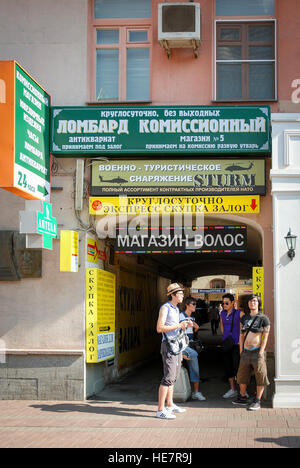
{"type": "Point", "coordinates": [109, 58]}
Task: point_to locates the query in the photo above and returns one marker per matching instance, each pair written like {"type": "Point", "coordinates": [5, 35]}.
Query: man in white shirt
{"type": "Point", "coordinates": [168, 323]}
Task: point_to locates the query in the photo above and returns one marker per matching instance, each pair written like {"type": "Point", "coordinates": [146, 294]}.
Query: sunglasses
{"type": "Point", "coordinates": [193, 303]}
{"type": "Point", "coordinates": [225, 303]}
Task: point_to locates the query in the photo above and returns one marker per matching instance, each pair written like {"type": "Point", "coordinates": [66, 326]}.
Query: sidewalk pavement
{"type": "Point", "coordinates": [117, 424]}
{"type": "Point", "coordinates": [123, 416]}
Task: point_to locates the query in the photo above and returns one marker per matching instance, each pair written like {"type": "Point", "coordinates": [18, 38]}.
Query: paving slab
{"type": "Point", "coordinates": [123, 417]}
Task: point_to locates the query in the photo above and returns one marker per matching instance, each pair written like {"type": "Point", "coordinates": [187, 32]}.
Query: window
{"type": "Point", "coordinates": [245, 8]}
{"type": "Point", "coordinates": [122, 44]}
{"type": "Point", "coordinates": [122, 9]}
{"type": "Point", "coordinates": [245, 61]}
{"type": "Point", "coordinates": [217, 284]}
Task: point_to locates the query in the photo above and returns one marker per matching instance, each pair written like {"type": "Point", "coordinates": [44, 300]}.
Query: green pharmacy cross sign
{"type": "Point", "coordinates": [38, 224]}
{"type": "Point", "coordinates": [47, 225]}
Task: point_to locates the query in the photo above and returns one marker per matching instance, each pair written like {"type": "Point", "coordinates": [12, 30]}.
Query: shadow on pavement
{"type": "Point", "coordinates": [65, 408]}
{"type": "Point", "coordinates": [285, 441]}
{"type": "Point", "coordinates": [141, 386]}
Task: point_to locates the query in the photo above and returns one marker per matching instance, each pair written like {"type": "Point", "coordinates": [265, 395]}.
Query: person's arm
{"type": "Point", "coordinates": [242, 335]}
{"type": "Point", "coordinates": [264, 341]}
{"type": "Point", "coordinates": [162, 328]}
{"type": "Point", "coordinates": [241, 342]}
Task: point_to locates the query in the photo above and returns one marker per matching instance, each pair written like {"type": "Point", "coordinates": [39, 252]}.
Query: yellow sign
{"type": "Point", "coordinates": [258, 283]}
{"type": "Point", "coordinates": [174, 205]}
{"type": "Point", "coordinates": [93, 252]}
{"type": "Point", "coordinates": [69, 251]}
{"type": "Point", "coordinates": [100, 315]}
{"type": "Point", "coordinates": [138, 339]}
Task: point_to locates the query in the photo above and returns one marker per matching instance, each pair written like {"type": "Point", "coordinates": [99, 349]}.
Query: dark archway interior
{"type": "Point", "coordinates": [187, 267]}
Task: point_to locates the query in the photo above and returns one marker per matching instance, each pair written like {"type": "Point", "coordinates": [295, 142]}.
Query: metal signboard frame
{"type": "Point", "coordinates": [177, 205]}
{"type": "Point", "coordinates": [205, 240]}
{"type": "Point", "coordinates": [178, 177]}
{"type": "Point", "coordinates": [25, 139]}
{"type": "Point", "coordinates": [183, 130]}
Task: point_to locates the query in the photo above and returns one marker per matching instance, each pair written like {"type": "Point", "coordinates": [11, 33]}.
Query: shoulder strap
{"type": "Point", "coordinates": [232, 323]}
{"type": "Point", "coordinates": [249, 330]}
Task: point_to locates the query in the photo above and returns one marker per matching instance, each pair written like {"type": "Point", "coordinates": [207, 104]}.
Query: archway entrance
{"type": "Point", "coordinates": [137, 273]}
{"type": "Point", "coordinates": [189, 266]}
{"type": "Point", "coordinates": [202, 273]}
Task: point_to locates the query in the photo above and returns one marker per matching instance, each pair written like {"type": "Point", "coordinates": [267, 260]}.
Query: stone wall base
{"type": "Point", "coordinates": [42, 377]}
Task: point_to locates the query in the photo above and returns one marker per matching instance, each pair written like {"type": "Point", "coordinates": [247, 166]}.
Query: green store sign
{"type": "Point", "coordinates": [47, 225]}
{"type": "Point", "coordinates": [32, 130]}
{"type": "Point", "coordinates": [109, 131]}
{"type": "Point", "coordinates": [180, 177]}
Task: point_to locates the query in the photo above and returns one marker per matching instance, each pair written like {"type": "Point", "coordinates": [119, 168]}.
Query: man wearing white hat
{"type": "Point", "coordinates": [168, 323]}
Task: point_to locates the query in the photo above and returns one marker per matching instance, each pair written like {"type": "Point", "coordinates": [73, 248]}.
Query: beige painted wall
{"type": "Point", "coordinates": [49, 39]}
{"type": "Point", "coordinates": [204, 282]}
{"type": "Point", "coordinates": [34, 312]}
{"type": "Point", "coordinates": [50, 42]}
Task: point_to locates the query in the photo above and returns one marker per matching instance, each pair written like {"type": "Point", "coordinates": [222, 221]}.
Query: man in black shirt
{"type": "Point", "coordinates": [255, 329]}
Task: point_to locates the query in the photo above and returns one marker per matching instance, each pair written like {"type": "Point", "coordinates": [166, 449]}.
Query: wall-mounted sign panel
{"type": "Point", "coordinates": [210, 239]}
{"type": "Point", "coordinates": [160, 130]}
{"type": "Point", "coordinates": [25, 134]}
{"type": "Point", "coordinates": [258, 283]}
{"type": "Point", "coordinates": [208, 291]}
{"type": "Point", "coordinates": [164, 205]}
{"type": "Point", "coordinates": [94, 253]}
{"type": "Point", "coordinates": [16, 261]}
{"type": "Point", "coordinates": [100, 315]}
{"type": "Point", "coordinates": [69, 250]}
{"type": "Point", "coordinates": [37, 221]}
{"type": "Point", "coordinates": [158, 177]}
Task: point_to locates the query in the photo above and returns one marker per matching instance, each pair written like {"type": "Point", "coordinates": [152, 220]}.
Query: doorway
{"type": "Point", "coordinates": [147, 275]}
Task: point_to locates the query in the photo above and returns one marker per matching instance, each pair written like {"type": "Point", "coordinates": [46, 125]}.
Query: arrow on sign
{"type": "Point", "coordinates": [104, 328]}
{"type": "Point", "coordinates": [42, 190]}
{"type": "Point", "coordinates": [253, 204]}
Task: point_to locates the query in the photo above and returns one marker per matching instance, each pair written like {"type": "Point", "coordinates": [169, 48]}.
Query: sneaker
{"type": "Point", "coordinates": [255, 406]}
{"type": "Point", "coordinates": [230, 394]}
{"type": "Point", "coordinates": [241, 401]}
{"type": "Point", "coordinates": [175, 409]}
{"type": "Point", "coordinates": [198, 396]}
{"type": "Point", "coordinates": [165, 415]}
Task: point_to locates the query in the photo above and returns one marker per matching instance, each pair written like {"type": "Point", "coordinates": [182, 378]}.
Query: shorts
{"type": "Point", "coordinates": [171, 366]}
{"type": "Point", "coordinates": [231, 360]}
{"type": "Point", "coordinates": [250, 360]}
